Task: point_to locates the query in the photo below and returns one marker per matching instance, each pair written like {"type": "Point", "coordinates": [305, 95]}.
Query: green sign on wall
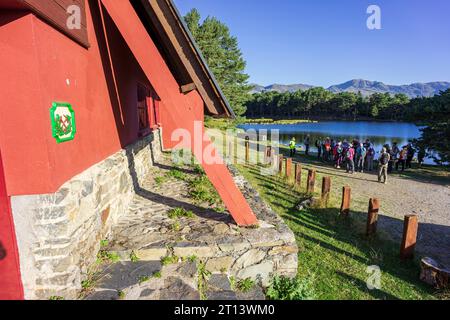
{"type": "Point", "coordinates": [63, 122]}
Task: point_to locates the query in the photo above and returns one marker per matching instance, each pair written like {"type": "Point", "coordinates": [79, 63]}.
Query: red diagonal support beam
{"type": "Point", "coordinates": [156, 70]}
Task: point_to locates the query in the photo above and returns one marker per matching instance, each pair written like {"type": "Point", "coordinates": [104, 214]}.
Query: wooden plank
{"type": "Point", "coordinates": [372, 216]}
{"type": "Point", "coordinates": [288, 172]}
{"type": "Point", "coordinates": [55, 13]}
{"type": "Point", "coordinates": [161, 11]}
{"type": "Point", "coordinates": [310, 183]}
{"type": "Point", "coordinates": [326, 188]}
{"type": "Point", "coordinates": [280, 163]}
{"type": "Point", "coordinates": [410, 227]}
{"type": "Point", "coordinates": [346, 199]}
{"type": "Point", "coordinates": [188, 88]}
{"type": "Point", "coordinates": [298, 174]}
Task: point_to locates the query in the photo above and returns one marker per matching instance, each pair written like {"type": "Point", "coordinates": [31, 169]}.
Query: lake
{"type": "Point", "coordinates": [379, 133]}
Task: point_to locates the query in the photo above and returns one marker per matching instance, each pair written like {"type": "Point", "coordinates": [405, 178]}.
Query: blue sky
{"type": "Point", "coordinates": [325, 42]}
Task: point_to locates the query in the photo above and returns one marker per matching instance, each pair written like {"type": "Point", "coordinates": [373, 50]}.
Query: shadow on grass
{"type": "Point", "coordinates": [342, 238]}
{"type": "Point", "coordinates": [362, 286]}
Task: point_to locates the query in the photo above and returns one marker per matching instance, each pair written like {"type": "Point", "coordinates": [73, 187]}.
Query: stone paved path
{"type": "Point", "coordinates": [208, 250]}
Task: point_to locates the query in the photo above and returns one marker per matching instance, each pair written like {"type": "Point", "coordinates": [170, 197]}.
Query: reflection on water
{"type": "Point", "coordinates": [379, 133]}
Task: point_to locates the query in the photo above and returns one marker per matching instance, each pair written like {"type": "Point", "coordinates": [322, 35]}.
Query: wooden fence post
{"type": "Point", "coordinates": [346, 198]}
{"type": "Point", "coordinates": [280, 163]}
{"type": "Point", "coordinates": [288, 167]}
{"type": "Point", "coordinates": [326, 188]}
{"type": "Point", "coordinates": [311, 181]}
{"type": "Point", "coordinates": [267, 154]}
{"type": "Point", "coordinates": [247, 152]}
{"type": "Point", "coordinates": [372, 216]}
{"type": "Point", "coordinates": [410, 227]}
{"type": "Point", "coordinates": [298, 174]}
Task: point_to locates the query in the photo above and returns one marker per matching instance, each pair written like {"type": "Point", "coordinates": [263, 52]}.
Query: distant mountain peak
{"type": "Point", "coordinates": [366, 87]}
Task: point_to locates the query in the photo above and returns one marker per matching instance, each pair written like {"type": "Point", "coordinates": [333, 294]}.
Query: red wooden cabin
{"type": "Point", "coordinates": [129, 70]}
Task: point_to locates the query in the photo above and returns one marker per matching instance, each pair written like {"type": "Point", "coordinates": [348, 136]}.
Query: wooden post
{"type": "Point", "coordinates": [231, 152]}
{"type": "Point", "coordinates": [372, 216]}
{"type": "Point", "coordinates": [410, 227]}
{"type": "Point", "coordinates": [267, 154]}
{"type": "Point", "coordinates": [298, 174]}
{"type": "Point", "coordinates": [280, 163]}
{"type": "Point", "coordinates": [288, 167]}
{"type": "Point", "coordinates": [326, 188]}
{"type": "Point", "coordinates": [247, 152]}
{"type": "Point", "coordinates": [311, 181]}
{"type": "Point", "coordinates": [346, 198]}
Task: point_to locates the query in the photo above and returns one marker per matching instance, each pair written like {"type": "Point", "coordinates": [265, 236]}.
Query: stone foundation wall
{"type": "Point", "coordinates": [59, 234]}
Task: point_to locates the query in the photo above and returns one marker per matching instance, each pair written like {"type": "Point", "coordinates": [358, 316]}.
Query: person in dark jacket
{"type": "Point", "coordinates": [409, 156]}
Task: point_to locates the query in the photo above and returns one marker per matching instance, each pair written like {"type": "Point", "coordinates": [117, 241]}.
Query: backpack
{"type": "Point", "coordinates": [384, 159]}
{"type": "Point", "coordinates": [348, 154]}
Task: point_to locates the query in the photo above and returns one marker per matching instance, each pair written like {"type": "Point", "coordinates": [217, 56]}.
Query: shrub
{"type": "Point", "coordinates": [284, 288]}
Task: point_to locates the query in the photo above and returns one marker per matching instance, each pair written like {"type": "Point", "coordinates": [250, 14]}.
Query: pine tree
{"type": "Point", "coordinates": [223, 56]}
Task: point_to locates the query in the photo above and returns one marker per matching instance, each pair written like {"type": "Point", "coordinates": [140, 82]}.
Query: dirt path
{"type": "Point", "coordinates": [428, 198]}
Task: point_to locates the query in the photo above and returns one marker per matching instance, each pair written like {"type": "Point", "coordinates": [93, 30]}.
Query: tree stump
{"type": "Point", "coordinates": [310, 183]}
{"type": "Point", "coordinates": [372, 216]}
{"type": "Point", "coordinates": [410, 227]}
{"type": "Point", "coordinates": [326, 188]}
{"type": "Point", "coordinates": [434, 273]}
{"type": "Point", "coordinates": [346, 198]}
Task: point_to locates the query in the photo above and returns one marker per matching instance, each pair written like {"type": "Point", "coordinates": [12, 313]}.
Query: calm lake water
{"type": "Point", "coordinates": [379, 133]}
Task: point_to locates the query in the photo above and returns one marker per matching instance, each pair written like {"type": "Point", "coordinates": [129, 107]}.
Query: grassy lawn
{"type": "Point", "coordinates": [334, 251]}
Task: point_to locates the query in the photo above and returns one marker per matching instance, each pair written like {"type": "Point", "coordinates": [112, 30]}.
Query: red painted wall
{"type": "Point", "coordinates": [10, 282]}
{"type": "Point", "coordinates": [40, 65]}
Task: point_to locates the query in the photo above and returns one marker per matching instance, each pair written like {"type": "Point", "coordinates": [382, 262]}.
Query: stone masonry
{"type": "Point", "coordinates": [146, 235]}
{"type": "Point", "coordinates": [59, 234]}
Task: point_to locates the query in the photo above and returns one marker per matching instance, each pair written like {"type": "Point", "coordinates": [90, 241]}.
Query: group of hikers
{"type": "Point", "coordinates": [360, 156]}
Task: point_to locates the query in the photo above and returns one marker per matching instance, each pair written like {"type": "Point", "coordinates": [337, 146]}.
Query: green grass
{"type": "Point", "coordinates": [180, 213]}
{"type": "Point", "coordinates": [284, 288]}
{"type": "Point", "coordinates": [104, 256]}
{"type": "Point", "coordinates": [169, 260]}
{"type": "Point", "coordinates": [202, 191]}
{"type": "Point", "coordinates": [157, 275]}
{"type": "Point", "coordinates": [134, 257]}
{"type": "Point", "coordinates": [143, 279]}
{"type": "Point", "coordinates": [245, 285]}
{"type": "Point", "coordinates": [121, 294]}
{"type": "Point", "coordinates": [334, 252]}
{"type": "Point", "coordinates": [178, 174]}
{"type": "Point", "coordinates": [203, 276]}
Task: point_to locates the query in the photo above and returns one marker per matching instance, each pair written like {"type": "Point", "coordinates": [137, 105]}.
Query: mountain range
{"type": "Point", "coordinates": [366, 88]}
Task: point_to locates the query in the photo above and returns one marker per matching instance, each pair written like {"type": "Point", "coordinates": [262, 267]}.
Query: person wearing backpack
{"type": "Point", "coordinates": [370, 156]}
{"type": "Point", "coordinates": [349, 162]}
{"type": "Point", "coordinates": [361, 152]}
{"type": "Point", "coordinates": [384, 159]}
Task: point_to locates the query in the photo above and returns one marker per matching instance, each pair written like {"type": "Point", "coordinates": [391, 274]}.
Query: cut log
{"type": "Point", "coordinates": [434, 273]}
